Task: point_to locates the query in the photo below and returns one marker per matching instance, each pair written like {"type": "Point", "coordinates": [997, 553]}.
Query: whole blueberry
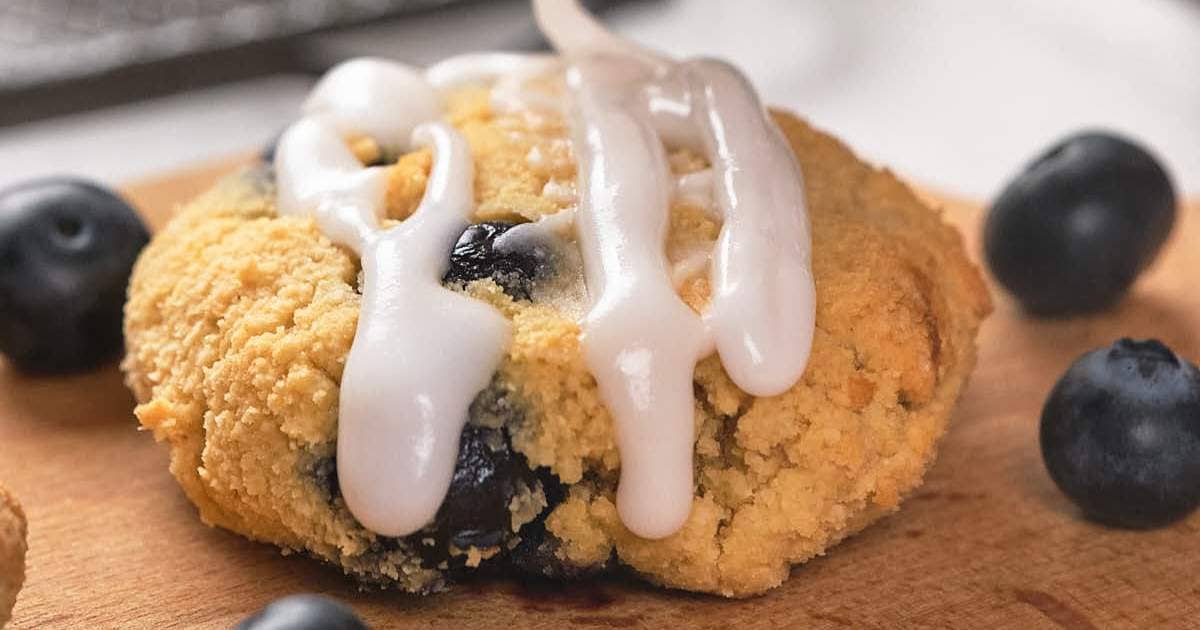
{"type": "Point", "coordinates": [303, 612]}
{"type": "Point", "coordinates": [1120, 434]}
{"type": "Point", "coordinates": [476, 255]}
{"type": "Point", "coordinates": [66, 250]}
{"type": "Point", "coordinates": [1072, 232]}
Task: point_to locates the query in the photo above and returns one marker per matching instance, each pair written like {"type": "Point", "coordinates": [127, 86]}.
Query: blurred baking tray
{"type": "Point", "coordinates": [47, 41]}
{"type": "Point", "coordinates": [66, 56]}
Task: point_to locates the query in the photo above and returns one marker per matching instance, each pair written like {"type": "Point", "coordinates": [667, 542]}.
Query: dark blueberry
{"type": "Point", "coordinates": [1072, 232]}
{"type": "Point", "coordinates": [303, 612]}
{"type": "Point", "coordinates": [475, 511]}
{"type": "Point", "coordinates": [323, 473]}
{"type": "Point", "coordinates": [1120, 434]}
{"type": "Point", "coordinates": [487, 476]}
{"type": "Point", "coordinates": [537, 553]}
{"type": "Point", "coordinates": [66, 250]}
{"type": "Point", "coordinates": [475, 257]}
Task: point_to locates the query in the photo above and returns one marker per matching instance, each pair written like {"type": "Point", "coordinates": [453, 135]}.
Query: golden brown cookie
{"type": "Point", "coordinates": [12, 553]}
{"type": "Point", "coordinates": [239, 322]}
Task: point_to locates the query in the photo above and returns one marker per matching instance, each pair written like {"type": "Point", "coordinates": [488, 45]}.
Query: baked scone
{"type": "Point", "coordinates": [241, 319]}
{"type": "Point", "coordinates": [12, 553]}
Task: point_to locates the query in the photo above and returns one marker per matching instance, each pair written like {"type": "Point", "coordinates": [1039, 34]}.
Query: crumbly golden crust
{"type": "Point", "coordinates": [239, 321]}
{"type": "Point", "coordinates": [12, 553]}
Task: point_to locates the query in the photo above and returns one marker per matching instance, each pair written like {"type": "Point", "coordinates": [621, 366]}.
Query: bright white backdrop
{"type": "Point", "coordinates": [953, 93]}
{"type": "Point", "coordinates": [960, 93]}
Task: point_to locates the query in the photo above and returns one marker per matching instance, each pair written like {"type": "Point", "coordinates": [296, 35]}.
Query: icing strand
{"type": "Point", "coordinates": [421, 354]}
{"type": "Point", "coordinates": [763, 309]}
{"type": "Point", "coordinates": [643, 364]}
{"type": "Point", "coordinates": [318, 176]}
{"type": "Point", "coordinates": [627, 104]}
{"type": "Point", "coordinates": [374, 97]}
{"type": "Point", "coordinates": [572, 30]}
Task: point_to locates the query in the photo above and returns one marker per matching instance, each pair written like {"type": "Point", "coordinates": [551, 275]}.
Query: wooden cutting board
{"type": "Point", "coordinates": [987, 541]}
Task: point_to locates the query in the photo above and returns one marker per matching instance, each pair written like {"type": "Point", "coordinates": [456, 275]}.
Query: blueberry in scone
{"type": "Point", "coordinates": [554, 336]}
{"type": "Point", "coordinates": [475, 256]}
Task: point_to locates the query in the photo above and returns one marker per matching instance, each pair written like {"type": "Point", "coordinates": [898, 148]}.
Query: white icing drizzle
{"type": "Point", "coordinates": [421, 352]}
{"type": "Point", "coordinates": [626, 104]}
{"type": "Point", "coordinates": [763, 309]}
{"type": "Point", "coordinates": [318, 176]}
{"type": "Point", "coordinates": [565, 290]}
{"type": "Point", "coordinates": [573, 31]}
{"type": "Point", "coordinates": [374, 97]}
{"type": "Point", "coordinates": [560, 224]}
{"type": "Point", "coordinates": [643, 364]}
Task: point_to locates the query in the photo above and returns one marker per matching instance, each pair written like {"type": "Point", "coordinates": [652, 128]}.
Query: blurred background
{"type": "Point", "coordinates": [955, 94]}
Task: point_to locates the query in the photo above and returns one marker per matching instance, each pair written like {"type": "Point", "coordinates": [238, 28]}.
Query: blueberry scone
{"type": "Point", "coordinates": [12, 553]}
{"type": "Point", "coordinates": [556, 315]}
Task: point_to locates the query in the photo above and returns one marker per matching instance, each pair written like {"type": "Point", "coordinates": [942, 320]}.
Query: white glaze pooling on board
{"type": "Point", "coordinates": [625, 105]}
{"type": "Point", "coordinates": [421, 352]}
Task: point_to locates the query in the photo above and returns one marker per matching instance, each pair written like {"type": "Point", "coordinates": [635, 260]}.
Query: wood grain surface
{"type": "Point", "coordinates": [987, 541]}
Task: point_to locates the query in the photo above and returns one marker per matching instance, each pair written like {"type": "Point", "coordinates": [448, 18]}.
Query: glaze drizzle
{"type": "Point", "coordinates": [422, 352]}
{"type": "Point", "coordinates": [625, 105]}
